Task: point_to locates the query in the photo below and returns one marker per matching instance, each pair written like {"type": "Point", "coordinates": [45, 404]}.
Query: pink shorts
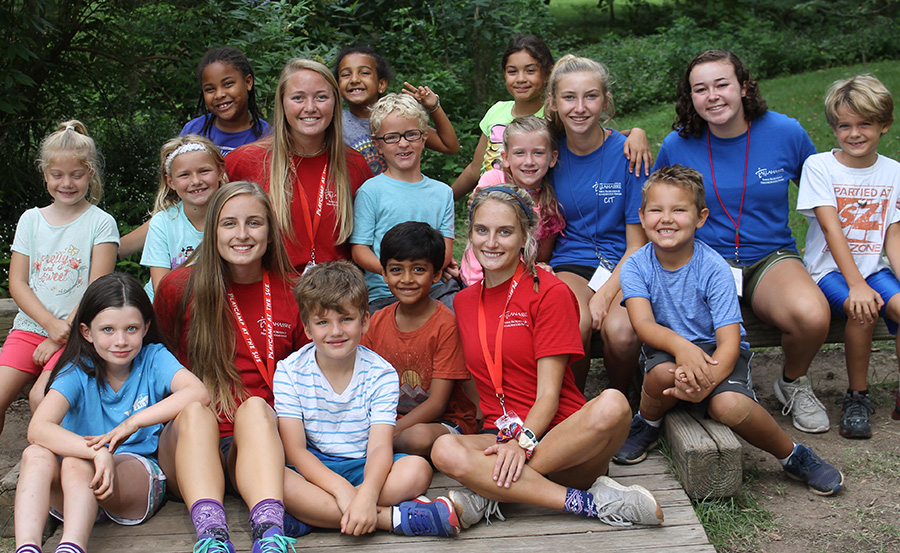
{"type": "Point", "coordinates": [18, 352]}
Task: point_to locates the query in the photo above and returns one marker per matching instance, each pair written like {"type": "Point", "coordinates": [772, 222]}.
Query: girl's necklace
{"type": "Point", "coordinates": [314, 154]}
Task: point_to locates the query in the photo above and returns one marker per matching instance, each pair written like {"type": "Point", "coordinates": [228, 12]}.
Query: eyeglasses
{"type": "Point", "coordinates": [394, 137]}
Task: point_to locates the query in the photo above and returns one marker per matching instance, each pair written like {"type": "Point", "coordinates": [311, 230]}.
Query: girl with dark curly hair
{"type": "Point", "coordinates": [748, 155]}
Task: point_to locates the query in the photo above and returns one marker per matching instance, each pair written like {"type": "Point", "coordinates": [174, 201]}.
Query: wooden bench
{"type": "Point", "coordinates": [706, 454]}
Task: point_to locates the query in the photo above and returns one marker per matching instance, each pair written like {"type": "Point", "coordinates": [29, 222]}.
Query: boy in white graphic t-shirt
{"type": "Point", "coordinates": [850, 196]}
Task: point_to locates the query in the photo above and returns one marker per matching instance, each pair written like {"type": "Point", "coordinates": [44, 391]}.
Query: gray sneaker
{"type": "Point", "coordinates": [800, 402]}
{"type": "Point", "coordinates": [619, 505]}
{"type": "Point", "coordinates": [471, 507]}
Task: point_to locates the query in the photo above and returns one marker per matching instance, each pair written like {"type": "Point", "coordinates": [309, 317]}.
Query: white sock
{"type": "Point", "coordinates": [395, 517]}
{"type": "Point", "coordinates": [654, 424]}
{"type": "Point", "coordinates": [784, 461]}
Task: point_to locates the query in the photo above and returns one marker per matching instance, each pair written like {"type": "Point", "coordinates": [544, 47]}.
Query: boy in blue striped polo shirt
{"type": "Point", "coordinates": [337, 408]}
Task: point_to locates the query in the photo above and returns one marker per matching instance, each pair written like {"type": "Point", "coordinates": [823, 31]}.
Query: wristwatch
{"type": "Point", "coordinates": [528, 441]}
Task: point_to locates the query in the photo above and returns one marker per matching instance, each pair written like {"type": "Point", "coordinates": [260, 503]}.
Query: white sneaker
{"type": "Point", "coordinates": [471, 507]}
{"type": "Point", "coordinates": [802, 404]}
{"type": "Point", "coordinates": [619, 505]}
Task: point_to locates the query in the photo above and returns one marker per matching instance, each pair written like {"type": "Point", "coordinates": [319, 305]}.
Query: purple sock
{"type": "Point", "coordinates": [579, 502]}
{"type": "Point", "coordinates": [208, 516]}
{"type": "Point", "coordinates": [264, 515]}
{"type": "Point", "coordinates": [68, 547]}
{"type": "Point", "coordinates": [28, 548]}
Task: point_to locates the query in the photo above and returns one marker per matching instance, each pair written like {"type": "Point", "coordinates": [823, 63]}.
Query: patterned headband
{"type": "Point", "coordinates": [509, 191]}
{"type": "Point", "coordinates": [183, 149]}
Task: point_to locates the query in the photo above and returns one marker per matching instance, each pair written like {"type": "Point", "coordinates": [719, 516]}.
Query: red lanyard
{"type": "Point", "coordinates": [312, 220]}
{"type": "Point", "coordinates": [268, 370]}
{"type": "Point", "coordinates": [495, 363]}
{"type": "Point", "coordinates": [737, 225]}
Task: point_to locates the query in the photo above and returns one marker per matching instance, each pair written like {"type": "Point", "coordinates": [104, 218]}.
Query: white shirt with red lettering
{"type": "Point", "coordinates": [866, 202]}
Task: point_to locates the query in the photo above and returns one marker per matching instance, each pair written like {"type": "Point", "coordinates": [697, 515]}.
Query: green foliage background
{"type": "Point", "coordinates": [127, 68]}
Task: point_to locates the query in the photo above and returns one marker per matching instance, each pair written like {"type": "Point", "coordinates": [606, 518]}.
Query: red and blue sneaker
{"type": "Point", "coordinates": [426, 518]}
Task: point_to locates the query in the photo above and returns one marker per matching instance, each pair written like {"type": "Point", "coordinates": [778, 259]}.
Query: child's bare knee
{"type": "Point", "coordinates": [659, 376]}
{"type": "Point", "coordinates": [35, 396]}
{"type": "Point", "coordinates": [34, 454]}
{"type": "Point", "coordinates": [415, 440]}
{"type": "Point", "coordinates": [416, 472]}
{"type": "Point", "coordinates": [731, 409]}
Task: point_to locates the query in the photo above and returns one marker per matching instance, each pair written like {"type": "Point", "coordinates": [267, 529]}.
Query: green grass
{"type": "Point", "coordinates": [860, 462]}
{"type": "Point", "coordinates": [581, 21]}
{"type": "Point", "coordinates": [580, 18]}
{"type": "Point", "coordinates": [733, 523]}
{"type": "Point", "coordinates": [800, 96]}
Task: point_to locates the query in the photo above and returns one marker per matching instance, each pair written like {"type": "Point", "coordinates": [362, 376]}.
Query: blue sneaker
{"type": "Point", "coordinates": [806, 466]}
{"type": "Point", "coordinates": [431, 518]}
{"type": "Point", "coordinates": [294, 528]}
{"type": "Point", "coordinates": [213, 545]}
{"type": "Point", "coordinates": [641, 438]}
{"type": "Point", "coordinates": [273, 541]}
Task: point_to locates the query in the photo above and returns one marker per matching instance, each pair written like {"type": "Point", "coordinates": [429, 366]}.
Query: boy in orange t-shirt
{"type": "Point", "coordinates": [419, 337]}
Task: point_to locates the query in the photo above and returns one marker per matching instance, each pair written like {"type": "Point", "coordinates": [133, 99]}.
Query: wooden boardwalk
{"type": "Point", "coordinates": [526, 529]}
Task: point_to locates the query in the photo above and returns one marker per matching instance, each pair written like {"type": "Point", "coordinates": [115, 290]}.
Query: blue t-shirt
{"type": "Point", "coordinates": [778, 148]}
{"type": "Point", "coordinates": [383, 202]}
{"type": "Point", "coordinates": [93, 411]}
{"type": "Point", "coordinates": [598, 197]}
{"type": "Point", "coordinates": [171, 239]}
{"type": "Point", "coordinates": [357, 136]}
{"type": "Point", "coordinates": [693, 300]}
{"type": "Point", "coordinates": [226, 141]}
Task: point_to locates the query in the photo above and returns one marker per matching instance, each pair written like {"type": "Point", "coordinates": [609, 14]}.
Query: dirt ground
{"type": "Point", "coordinates": [864, 517]}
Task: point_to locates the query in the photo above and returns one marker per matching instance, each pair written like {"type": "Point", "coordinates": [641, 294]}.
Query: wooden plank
{"type": "Point", "coordinates": [706, 454]}
{"type": "Point", "coordinates": [762, 335]}
{"type": "Point", "coordinates": [626, 539]}
{"type": "Point", "coordinates": [516, 525]}
{"type": "Point", "coordinates": [526, 527]}
{"type": "Point", "coordinates": [636, 539]}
